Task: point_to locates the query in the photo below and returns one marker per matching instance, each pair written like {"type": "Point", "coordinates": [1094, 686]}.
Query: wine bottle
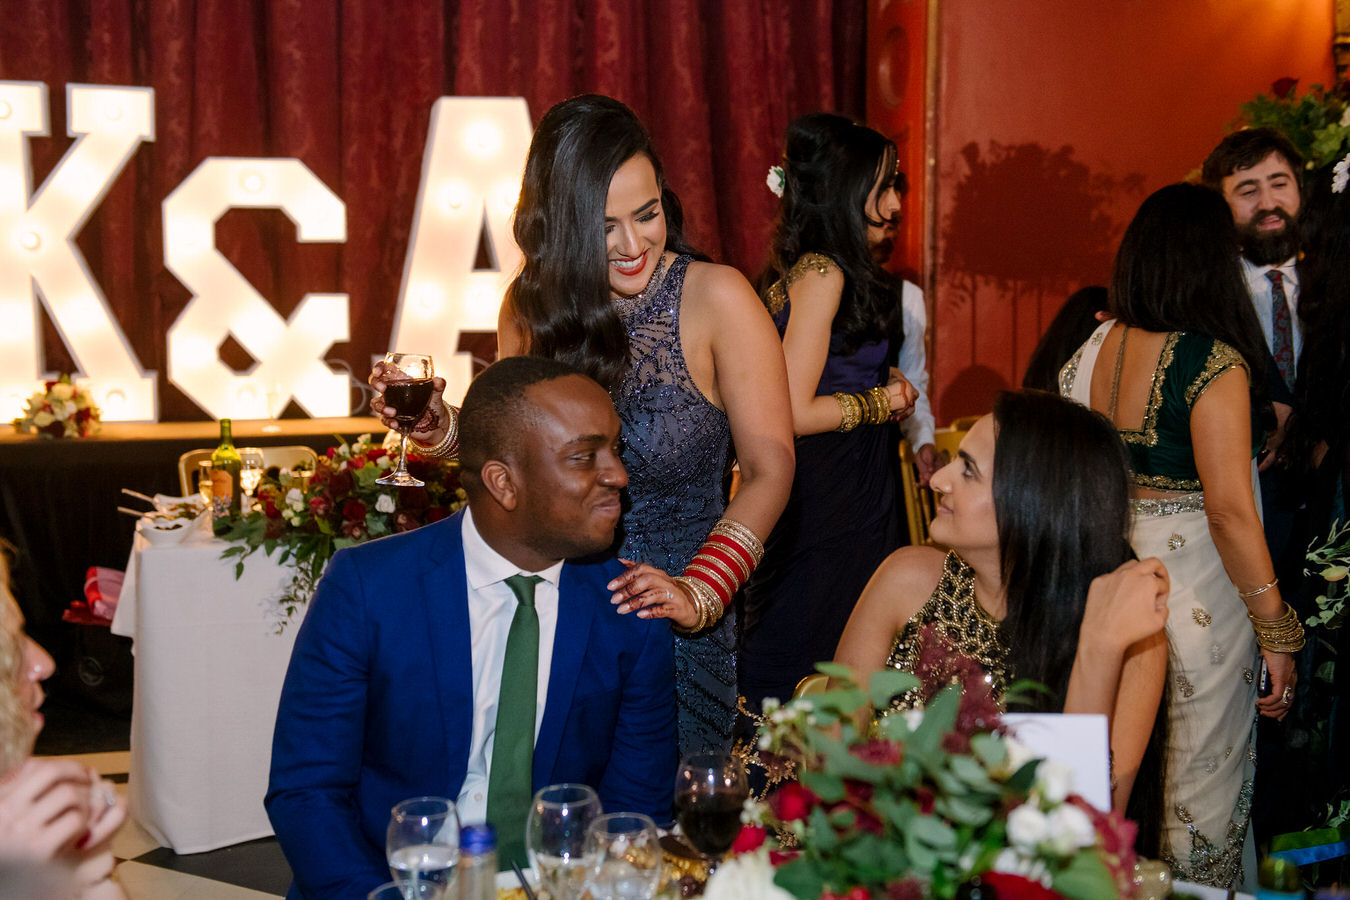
{"type": "Point", "coordinates": [225, 489]}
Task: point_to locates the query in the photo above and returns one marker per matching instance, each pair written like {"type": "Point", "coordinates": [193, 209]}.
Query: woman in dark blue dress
{"type": "Point", "coordinates": [838, 314]}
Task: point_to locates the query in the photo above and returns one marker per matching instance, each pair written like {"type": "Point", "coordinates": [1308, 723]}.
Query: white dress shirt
{"type": "Point", "coordinates": [1261, 291]}
{"type": "Point", "coordinates": [492, 606]}
{"type": "Point", "coordinates": [913, 364]}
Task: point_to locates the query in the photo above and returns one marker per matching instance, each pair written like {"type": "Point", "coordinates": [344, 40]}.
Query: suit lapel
{"type": "Point", "coordinates": [576, 611]}
{"type": "Point", "coordinates": [445, 592]}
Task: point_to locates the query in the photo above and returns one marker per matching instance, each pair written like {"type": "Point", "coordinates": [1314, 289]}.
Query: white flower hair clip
{"type": "Point", "coordinates": [1340, 174]}
{"type": "Point", "coordinates": [776, 180]}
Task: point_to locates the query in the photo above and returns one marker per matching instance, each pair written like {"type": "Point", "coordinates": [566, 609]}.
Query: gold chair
{"type": "Point", "coordinates": [815, 683]}
{"type": "Point", "coordinates": [285, 458]}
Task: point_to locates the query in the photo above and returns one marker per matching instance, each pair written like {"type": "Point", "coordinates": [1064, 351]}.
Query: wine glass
{"type": "Point", "coordinates": [204, 486]}
{"type": "Point", "coordinates": [555, 837]}
{"type": "Point", "coordinates": [422, 846]}
{"type": "Point", "coordinates": [710, 789]}
{"type": "Point", "coordinates": [251, 467]}
{"type": "Point", "coordinates": [408, 389]}
{"type": "Point", "coordinates": [625, 855]}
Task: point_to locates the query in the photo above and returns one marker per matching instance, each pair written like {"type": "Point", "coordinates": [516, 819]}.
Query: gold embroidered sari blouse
{"type": "Point", "coordinates": [1161, 454]}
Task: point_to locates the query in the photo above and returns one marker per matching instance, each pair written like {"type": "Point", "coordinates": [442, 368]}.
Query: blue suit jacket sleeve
{"type": "Point", "coordinates": [640, 775]}
{"type": "Point", "coordinates": [317, 745]}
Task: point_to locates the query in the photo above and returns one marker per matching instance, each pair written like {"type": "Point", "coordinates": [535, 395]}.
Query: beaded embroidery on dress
{"type": "Point", "coordinates": [676, 445]}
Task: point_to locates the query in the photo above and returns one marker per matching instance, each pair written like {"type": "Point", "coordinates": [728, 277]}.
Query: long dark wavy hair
{"type": "Point", "coordinates": [830, 164]}
{"type": "Point", "coordinates": [1322, 395]}
{"type": "Point", "coordinates": [1060, 525]}
{"type": "Point", "coordinates": [561, 296]}
{"type": "Point", "coordinates": [1178, 269]}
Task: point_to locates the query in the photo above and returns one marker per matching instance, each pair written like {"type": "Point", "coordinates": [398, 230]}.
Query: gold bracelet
{"type": "Point", "coordinates": [705, 602]}
{"type": "Point", "coordinates": [883, 404]}
{"type": "Point", "coordinates": [1279, 635]}
{"type": "Point", "coordinates": [850, 411]}
{"type": "Point", "coordinates": [742, 535]}
{"type": "Point", "coordinates": [448, 445]}
{"type": "Point", "coordinates": [1247, 595]}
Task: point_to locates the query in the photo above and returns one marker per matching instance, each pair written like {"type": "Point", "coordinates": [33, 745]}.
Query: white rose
{"type": "Point", "coordinates": [43, 419]}
{"type": "Point", "coordinates": [295, 499]}
{"type": "Point", "coordinates": [1027, 827]}
{"type": "Point", "coordinates": [1070, 829]}
{"type": "Point", "coordinates": [1019, 754]}
{"type": "Point", "coordinates": [745, 877]}
{"type": "Point", "coordinates": [1054, 780]}
{"type": "Point", "coordinates": [384, 462]}
{"type": "Point", "coordinates": [1014, 863]}
{"type": "Point", "coordinates": [384, 504]}
{"type": "Point", "coordinates": [62, 391]}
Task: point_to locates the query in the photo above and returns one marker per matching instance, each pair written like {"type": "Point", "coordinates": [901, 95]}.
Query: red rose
{"type": "Point", "coordinates": [405, 520]}
{"type": "Point", "coordinates": [375, 453]}
{"type": "Point", "coordinates": [778, 857]}
{"type": "Point", "coordinates": [354, 529]}
{"type": "Point", "coordinates": [270, 508]}
{"type": "Point", "coordinates": [330, 452]}
{"type": "Point", "coordinates": [55, 429]}
{"type": "Point", "coordinates": [320, 505]}
{"type": "Point", "coordinates": [879, 752]}
{"type": "Point", "coordinates": [858, 893]}
{"type": "Point", "coordinates": [927, 800]}
{"type": "Point", "coordinates": [341, 483]}
{"type": "Point", "coordinates": [909, 889]}
{"type": "Point", "coordinates": [1284, 87]}
{"type": "Point", "coordinates": [1014, 887]}
{"type": "Point", "coordinates": [354, 511]}
{"type": "Point", "coordinates": [751, 838]}
{"type": "Point", "coordinates": [792, 802]}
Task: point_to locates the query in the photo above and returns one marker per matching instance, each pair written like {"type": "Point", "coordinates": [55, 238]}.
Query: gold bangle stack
{"type": "Point", "coordinates": [871, 407]}
{"type": "Point", "coordinates": [742, 535]}
{"type": "Point", "coordinates": [705, 599]}
{"type": "Point", "coordinates": [850, 411]}
{"type": "Point", "coordinates": [1280, 635]}
{"type": "Point", "coordinates": [448, 445]}
{"type": "Point", "coordinates": [1247, 595]}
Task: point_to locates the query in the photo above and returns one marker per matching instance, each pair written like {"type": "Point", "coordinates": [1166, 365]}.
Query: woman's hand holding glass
{"type": "Point", "coordinates": [652, 594]}
{"type": "Point", "coordinates": [430, 428]}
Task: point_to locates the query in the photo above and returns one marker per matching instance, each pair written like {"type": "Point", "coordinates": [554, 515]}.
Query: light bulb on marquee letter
{"type": "Point", "coordinates": [471, 171]}
{"type": "Point", "coordinates": [38, 256]}
{"type": "Point", "coordinates": [289, 354]}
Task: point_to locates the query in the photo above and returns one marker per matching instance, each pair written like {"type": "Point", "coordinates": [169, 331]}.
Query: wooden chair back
{"type": "Point", "coordinates": [284, 457]}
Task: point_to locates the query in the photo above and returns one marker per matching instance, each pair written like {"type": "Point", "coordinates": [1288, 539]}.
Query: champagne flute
{"type": "Point", "coordinates": [555, 837]}
{"type": "Point", "coordinates": [710, 790]}
{"type": "Point", "coordinates": [422, 846]}
{"type": "Point", "coordinates": [625, 854]}
{"type": "Point", "coordinates": [408, 388]}
{"type": "Point", "coordinates": [251, 465]}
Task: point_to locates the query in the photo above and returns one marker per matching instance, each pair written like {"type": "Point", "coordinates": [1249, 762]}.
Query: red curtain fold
{"type": "Point", "coordinates": [347, 88]}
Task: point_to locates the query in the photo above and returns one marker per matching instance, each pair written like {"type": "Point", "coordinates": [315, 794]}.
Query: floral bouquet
{"type": "Point", "coordinates": [1317, 121]}
{"type": "Point", "coordinates": [919, 804]}
{"type": "Point", "coordinates": [341, 506]}
{"type": "Point", "coordinates": [60, 409]}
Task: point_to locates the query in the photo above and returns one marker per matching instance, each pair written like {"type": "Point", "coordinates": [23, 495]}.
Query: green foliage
{"type": "Point", "coordinates": [1313, 121]}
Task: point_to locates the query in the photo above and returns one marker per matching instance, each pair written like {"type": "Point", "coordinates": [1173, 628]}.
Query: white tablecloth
{"type": "Point", "coordinates": [208, 673]}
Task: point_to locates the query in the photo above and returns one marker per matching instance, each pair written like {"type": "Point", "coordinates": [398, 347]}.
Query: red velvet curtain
{"type": "Point", "coordinates": [348, 87]}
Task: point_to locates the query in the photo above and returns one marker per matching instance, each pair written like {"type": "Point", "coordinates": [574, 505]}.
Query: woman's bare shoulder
{"type": "Point", "coordinates": [910, 570]}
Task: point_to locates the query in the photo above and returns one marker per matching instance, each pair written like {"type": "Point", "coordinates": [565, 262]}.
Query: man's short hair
{"type": "Point", "coordinates": [1244, 149]}
{"type": "Point", "coordinates": [495, 411]}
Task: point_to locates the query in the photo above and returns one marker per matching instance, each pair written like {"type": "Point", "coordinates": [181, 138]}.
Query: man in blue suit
{"type": "Point", "coordinates": [429, 660]}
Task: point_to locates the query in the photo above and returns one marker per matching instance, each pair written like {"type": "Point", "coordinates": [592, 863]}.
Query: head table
{"type": "Point", "coordinates": [208, 671]}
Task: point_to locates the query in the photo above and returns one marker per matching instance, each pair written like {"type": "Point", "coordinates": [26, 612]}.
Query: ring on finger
{"type": "Point", "coordinates": [1287, 695]}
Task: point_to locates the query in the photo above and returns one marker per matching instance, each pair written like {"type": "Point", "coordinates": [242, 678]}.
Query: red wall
{"type": "Point", "coordinates": [1055, 118]}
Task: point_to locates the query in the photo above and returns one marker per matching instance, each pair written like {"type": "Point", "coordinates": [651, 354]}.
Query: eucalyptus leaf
{"type": "Point", "coordinates": [990, 749]}
{"type": "Point", "coordinates": [933, 831]}
{"type": "Point", "coordinates": [838, 670]}
{"type": "Point", "coordinates": [888, 683]}
{"type": "Point", "coordinates": [964, 811]}
{"type": "Point", "coordinates": [828, 787]}
{"type": "Point", "coordinates": [969, 771]}
{"type": "Point", "coordinates": [1084, 878]}
{"type": "Point", "coordinates": [800, 878]}
{"type": "Point", "coordinates": [822, 838]}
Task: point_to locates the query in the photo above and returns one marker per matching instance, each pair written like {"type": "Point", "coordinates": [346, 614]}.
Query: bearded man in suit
{"type": "Point", "coordinates": [478, 658]}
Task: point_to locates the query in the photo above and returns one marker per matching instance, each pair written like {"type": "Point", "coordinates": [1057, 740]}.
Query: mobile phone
{"type": "Point", "coordinates": [1263, 686]}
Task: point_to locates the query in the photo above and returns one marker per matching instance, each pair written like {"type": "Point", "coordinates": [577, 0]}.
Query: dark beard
{"type": "Point", "coordinates": [1268, 248]}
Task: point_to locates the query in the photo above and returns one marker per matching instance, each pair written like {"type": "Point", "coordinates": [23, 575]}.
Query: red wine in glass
{"type": "Point", "coordinates": [408, 389]}
{"type": "Point", "coordinates": [409, 399]}
{"type": "Point", "coordinates": [710, 821]}
{"type": "Point", "coordinates": [710, 790]}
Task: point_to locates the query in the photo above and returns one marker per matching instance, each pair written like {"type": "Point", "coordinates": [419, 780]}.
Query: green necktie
{"type": "Point", "coordinates": [510, 781]}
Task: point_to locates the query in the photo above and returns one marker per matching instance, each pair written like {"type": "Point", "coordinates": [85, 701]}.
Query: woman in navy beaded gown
{"type": "Point", "coordinates": [693, 364]}
{"type": "Point", "coordinates": [839, 316]}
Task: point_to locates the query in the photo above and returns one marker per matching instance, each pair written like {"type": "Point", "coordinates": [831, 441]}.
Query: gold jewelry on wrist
{"type": "Point", "coordinates": [742, 535]}
{"type": "Point", "coordinates": [1247, 595]}
{"type": "Point", "coordinates": [883, 404]}
{"type": "Point", "coordinates": [705, 602]}
{"type": "Point", "coordinates": [1283, 634]}
{"type": "Point", "coordinates": [448, 445]}
{"type": "Point", "coordinates": [850, 411]}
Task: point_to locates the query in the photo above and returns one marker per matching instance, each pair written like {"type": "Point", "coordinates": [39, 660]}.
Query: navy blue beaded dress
{"type": "Point", "coordinates": [675, 449]}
